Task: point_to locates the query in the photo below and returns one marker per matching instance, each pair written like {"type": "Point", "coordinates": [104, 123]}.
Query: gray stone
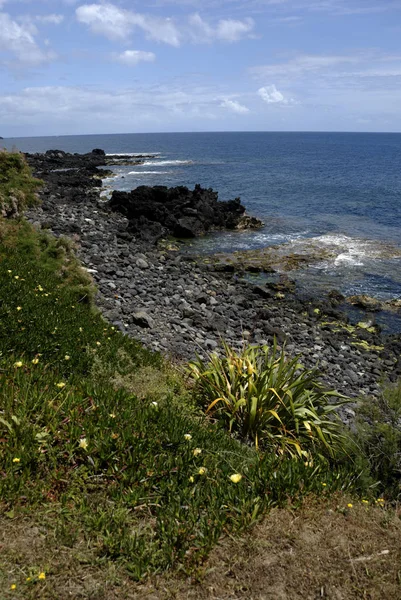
{"type": "Point", "coordinates": [142, 319]}
{"type": "Point", "coordinates": [142, 264]}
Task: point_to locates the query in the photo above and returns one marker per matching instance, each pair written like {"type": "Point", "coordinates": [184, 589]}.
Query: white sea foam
{"type": "Point", "coordinates": [133, 153]}
{"type": "Point", "coordinates": [348, 251]}
{"type": "Point", "coordinates": [157, 163]}
{"type": "Point", "coordinates": [148, 173]}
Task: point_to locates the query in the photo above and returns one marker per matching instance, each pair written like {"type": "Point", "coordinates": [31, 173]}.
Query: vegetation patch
{"type": "Point", "coordinates": [93, 431]}
{"type": "Point", "coordinates": [18, 189]}
{"type": "Point", "coordinates": [270, 400]}
{"type": "Point", "coordinates": [378, 436]}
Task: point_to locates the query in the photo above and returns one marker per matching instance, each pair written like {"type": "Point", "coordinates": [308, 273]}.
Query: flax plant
{"type": "Point", "coordinates": [270, 400]}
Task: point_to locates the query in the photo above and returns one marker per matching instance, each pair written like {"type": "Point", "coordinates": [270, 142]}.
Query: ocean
{"type": "Point", "coordinates": [336, 191]}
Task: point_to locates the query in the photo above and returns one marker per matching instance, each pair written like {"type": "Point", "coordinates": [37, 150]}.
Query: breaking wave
{"type": "Point", "coordinates": [133, 154]}
{"type": "Point", "coordinates": [354, 251]}
{"type": "Point", "coordinates": [157, 163]}
{"type": "Point", "coordinates": [148, 173]}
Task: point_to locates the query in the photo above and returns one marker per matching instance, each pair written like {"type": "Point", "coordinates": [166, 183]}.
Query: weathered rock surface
{"type": "Point", "coordinates": [158, 211]}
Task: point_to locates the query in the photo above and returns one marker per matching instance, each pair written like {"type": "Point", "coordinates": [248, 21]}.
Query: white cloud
{"type": "Point", "coordinates": [200, 30]}
{"type": "Point", "coordinates": [271, 95]}
{"type": "Point", "coordinates": [52, 19]}
{"type": "Point", "coordinates": [19, 39]}
{"type": "Point", "coordinates": [132, 57]}
{"type": "Point", "coordinates": [145, 107]}
{"type": "Point", "coordinates": [106, 19]}
{"type": "Point", "coordinates": [231, 30]}
{"type": "Point", "coordinates": [158, 29]}
{"type": "Point", "coordinates": [226, 30]}
{"type": "Point", "coordinates": [64, 103]}
{"type": "Point", "coordinates": [117, 23]}
{"type": "Point", "coordinates": [235, 106]}
{"type": "Point", "coordinates": [303, 64]}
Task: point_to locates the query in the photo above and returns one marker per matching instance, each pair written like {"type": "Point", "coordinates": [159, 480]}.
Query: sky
{"type": "Point", "coordinates": [122, 66]}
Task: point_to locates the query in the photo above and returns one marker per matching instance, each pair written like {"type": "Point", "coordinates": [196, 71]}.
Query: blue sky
{"type": "Point", "coordinates": [70, 67]}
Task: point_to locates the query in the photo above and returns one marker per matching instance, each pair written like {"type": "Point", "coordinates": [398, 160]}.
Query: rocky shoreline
{"type": "Point", "coordinates": [179, 305]}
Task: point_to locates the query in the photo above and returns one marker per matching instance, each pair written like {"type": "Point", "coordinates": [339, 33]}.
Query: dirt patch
{"type": "Point", "coordinates": [320, 551]}
{"type": "Point", "coordinates": [323, 550]}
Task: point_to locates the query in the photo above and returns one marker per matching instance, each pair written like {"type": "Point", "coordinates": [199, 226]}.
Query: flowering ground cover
{"type": "Point", "coordinates": [145, 479]}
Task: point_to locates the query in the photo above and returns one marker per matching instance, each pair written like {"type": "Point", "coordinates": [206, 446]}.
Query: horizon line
{"type": "Point", "coordinates": [200, 132]}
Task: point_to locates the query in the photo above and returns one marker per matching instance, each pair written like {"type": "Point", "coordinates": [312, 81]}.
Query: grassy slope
{"type": "Point", "coordinates": [98, 484]}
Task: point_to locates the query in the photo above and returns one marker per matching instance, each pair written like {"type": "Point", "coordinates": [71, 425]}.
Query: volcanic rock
{"type": "Point", "coordinates": [158, 211]}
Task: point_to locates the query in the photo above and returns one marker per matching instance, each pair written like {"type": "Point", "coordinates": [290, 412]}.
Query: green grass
{"type": "Point", "coordinates": [378, 437]}
{"type": "Point", "coordinates": [125, 464]}
{"type": "Point", "coordinates": [18, 189]}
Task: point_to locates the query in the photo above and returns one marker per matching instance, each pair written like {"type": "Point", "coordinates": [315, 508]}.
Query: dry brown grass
{"type": "Point", "coordinates": [323, 550]}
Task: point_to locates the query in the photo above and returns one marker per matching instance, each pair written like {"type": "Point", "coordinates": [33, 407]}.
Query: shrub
{"type": "Point", "coordinates": [378, 436]}
{"type": "Point", "coordinates": [18, 189]}
{"type": "Point", "coordinates": [265, 398]}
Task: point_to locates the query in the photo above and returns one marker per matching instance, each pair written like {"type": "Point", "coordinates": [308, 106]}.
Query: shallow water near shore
{"type": "Point", "coordinates": [337, 191]}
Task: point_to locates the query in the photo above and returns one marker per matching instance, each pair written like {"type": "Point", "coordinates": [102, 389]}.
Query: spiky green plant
{"type": "Point", "coordinates": [270, 400]}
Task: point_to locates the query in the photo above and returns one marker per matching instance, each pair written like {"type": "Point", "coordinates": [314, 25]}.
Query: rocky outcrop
{"type": "Point", "coordinates": [157, 211]}
{"type": "Point", "coordinates": [153, 212]}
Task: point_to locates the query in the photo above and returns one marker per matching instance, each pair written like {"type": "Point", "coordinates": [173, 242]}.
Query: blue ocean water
{"type": "Point", "coordinates": [338, 191]}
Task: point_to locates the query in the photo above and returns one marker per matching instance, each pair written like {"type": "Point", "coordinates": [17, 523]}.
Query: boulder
{"type": "Point", "coordinates": [142, 319]}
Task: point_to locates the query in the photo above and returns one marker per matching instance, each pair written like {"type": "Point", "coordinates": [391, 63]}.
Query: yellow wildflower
{"type": "Point", "coordinates": [42, 575]}
{"type": "Point", "coordinates": [187, 437]}
{"type": "Point", "coordinates": [98, 344]}
{"type": "Point", "coordinates": [16, 276]}
{"type": "Point", "coordinates": [19, 308]}
{"type": "Point", "coordinates": [191, 479]}
{"type": "Point", "coordinates": [324, 484]}
{"type": "Point", "coordinates": [28, 579]}
{"type": "Point", "coordinates": [350, 505]}
{"type": "Point", "coordinates": [114, 436]}
{"type": "Point", "coordinates": [13, 586]}
{"type": "Point", "coordinates": [112, 415]}
{"type": "Point", "coordinates": [40, 288]}
{"type": "Point", "coordinates": [18, 364]}
{"type": "Point", "coordinates": [202, 471]}
{"type": "Point", "coordinates": [67, 357]}
{"type": "Point", "coordinates": [197, 451]}
{"type": "Point", "coordinates": [154, 404]}
{"type": "Point", "coordinates": [61, 384]}
{"type": "Point", "coordinates": [35, 361]}
{"type": "Point", "coordinates": [365, 501]}
{"type": "Point", "coordinates": [80, 329]}
{"type": "Point", "coordinates": [236, 477]}
{"type": "Point", "coordinates": [16, 460]}
{"type": "Point", "coordinates": [9, 271]}
{"type": "Point", "coordinates": [83, 443]}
